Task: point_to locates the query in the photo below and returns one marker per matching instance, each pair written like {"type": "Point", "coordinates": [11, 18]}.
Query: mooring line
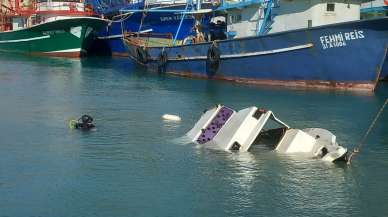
{"type": "Point", "coordinates": [357, 149]}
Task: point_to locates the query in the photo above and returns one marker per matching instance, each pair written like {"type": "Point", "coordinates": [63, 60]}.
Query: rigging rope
{"type": "Point", "coordinates": [180, 23]}
{"type": "Point", "coordinates": [125, 16]}
{"type": "Point", "coordinates": [357, 149]}
{"type": "Point", "coordinates": [143, 15]}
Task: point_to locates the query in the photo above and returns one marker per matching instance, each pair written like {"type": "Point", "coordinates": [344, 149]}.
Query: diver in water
{"type": "Point", "coordinates": [83, 123]}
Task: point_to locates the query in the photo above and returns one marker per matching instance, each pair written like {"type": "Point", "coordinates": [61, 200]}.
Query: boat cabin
{"type": "Point", "coordinates": [254, 17]}
{"type": "Point", "coordinates": [298, 14]}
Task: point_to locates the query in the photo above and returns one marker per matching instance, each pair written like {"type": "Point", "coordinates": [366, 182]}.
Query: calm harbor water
{"type": "Point", "coordinates": [136, 165]}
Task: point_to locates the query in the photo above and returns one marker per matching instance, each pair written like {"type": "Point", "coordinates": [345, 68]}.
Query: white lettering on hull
{"type": "Point", "coordinates": [340, 39]}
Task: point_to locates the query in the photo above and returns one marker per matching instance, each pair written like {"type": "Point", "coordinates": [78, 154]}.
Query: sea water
{"type": "Point", "coordinates": [137, 164]}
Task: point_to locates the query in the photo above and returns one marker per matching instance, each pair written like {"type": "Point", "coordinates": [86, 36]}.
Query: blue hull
{"type": "Point", "coordinates": [346, 55]}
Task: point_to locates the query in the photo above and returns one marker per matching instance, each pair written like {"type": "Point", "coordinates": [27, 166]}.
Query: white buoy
{"type": "Point", "coordinates": [171, 117]}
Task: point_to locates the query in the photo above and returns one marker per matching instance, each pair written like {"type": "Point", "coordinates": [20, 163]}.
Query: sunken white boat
{"type": "Point", "coordinates": [224, 128]}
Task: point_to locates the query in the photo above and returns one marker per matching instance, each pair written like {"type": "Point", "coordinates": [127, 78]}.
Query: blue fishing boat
{"type": "Point", "coordinates": [161, 17]}
{"type": "Point", "coordinates": [288, 43]}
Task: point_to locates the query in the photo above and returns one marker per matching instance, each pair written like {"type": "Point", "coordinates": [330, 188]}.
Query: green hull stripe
{"type": "Point", "coordinates": [25, 39]}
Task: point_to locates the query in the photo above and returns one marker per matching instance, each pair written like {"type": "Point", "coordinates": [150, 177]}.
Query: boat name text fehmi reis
{"type": "Point", "coordinates": [340, 39]}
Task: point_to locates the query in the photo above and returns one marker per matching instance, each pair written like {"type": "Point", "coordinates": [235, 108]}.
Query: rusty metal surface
{"type": "Point", "coordinates": [120, 54]}
{"type": "Point", "coordinates": [368, 87]}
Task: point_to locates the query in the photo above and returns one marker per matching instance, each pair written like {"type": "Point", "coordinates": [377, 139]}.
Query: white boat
{"type": "Point", "coordinates": [226, 129]}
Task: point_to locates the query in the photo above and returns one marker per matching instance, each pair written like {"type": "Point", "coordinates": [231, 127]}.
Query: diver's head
{"type": "Point", "coordinates": [86, 119]}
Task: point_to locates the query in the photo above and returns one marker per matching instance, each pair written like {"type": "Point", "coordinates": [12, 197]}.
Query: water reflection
{"type": "Point", "coordinates": [290, 181]}
{"type": "Point", "coordinates": [246, 170]}
{"type": "Point", "coordinates": [310, 184]}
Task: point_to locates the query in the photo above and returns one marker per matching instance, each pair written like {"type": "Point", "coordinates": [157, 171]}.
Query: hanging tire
{"type": "Point", "coordinates": [162, 61]}
{"type": "Point", "coordinates": [213, 60]}
{"type": "Point", "coordinates": [142, 55]}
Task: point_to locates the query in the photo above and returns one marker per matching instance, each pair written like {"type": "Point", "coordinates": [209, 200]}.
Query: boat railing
{"type": "Point", "coordinates": [229, 4]}
{"type": "Point", "coordinates": [45, 6]}
{"type": "Point", "coordinates": [374, 6]}
{"type": "Point", "coordinates": [163, 6]}
{"type": "Point", "coordinates": [173, 2]}
{"type": "Point", "coordinates": [66, 6]}
{"type": "Point", "coordinates": [168, 2]}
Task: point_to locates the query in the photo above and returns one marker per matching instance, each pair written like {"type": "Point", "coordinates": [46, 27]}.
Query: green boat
{"type": "Point", "coordinates": [53, 31]}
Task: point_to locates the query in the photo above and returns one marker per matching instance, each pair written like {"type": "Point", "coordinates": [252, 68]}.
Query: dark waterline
{"type": "Point", "coordinates": [136, 165]}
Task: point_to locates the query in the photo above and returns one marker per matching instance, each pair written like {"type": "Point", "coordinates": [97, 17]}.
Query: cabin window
{"type": "Point", "coordinates": [235, 147]}
{"type": "Point", "coordinates": [235, 18]}
{"type": "Point", "coordinates": [330, 7]}
{"type": "Point", "coordinates": [309, 23]}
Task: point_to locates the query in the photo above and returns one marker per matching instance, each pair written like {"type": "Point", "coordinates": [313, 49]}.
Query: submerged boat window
{"type": "Point", "coordinates": [270, 137]}
{"type": "Point", "coordinates": [271, 134]}
{"type": "Point", "coordinates": [330, 7]}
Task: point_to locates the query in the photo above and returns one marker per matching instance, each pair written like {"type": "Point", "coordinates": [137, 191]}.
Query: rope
{"type": "Point", "coordinates": [357, 149]}
{"type": "Point", "coordinates": [180, 24]}
{"type": "Point", "coordinates": [143, 15]}
{"type": "Point", "coordinates": [124, 17]}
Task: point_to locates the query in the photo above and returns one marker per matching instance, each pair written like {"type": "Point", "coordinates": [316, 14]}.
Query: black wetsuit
{"type": "Point", "coordinates": [85, 123]}
{"type": "Point", "coordinates": [84, 126]}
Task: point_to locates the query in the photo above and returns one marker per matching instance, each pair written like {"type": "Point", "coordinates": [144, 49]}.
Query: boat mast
{"type": "Point", "coordinates": [267, 18]}
{"type": "Point", "coordinates": [181, 22]}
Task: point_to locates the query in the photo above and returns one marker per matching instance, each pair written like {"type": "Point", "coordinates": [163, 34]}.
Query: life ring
{"type": "Point", "coordinates": [386, 2]}
{"type": "Point", "coordinates": [162, 61]}
{"type": "Point", "coordinates": [142, 55]}
{"type": "Point", "coordinates": [213, 60]}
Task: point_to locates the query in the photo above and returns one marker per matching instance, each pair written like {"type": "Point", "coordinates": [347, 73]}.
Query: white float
{"type": "Point", "coordinates": [169, 117]}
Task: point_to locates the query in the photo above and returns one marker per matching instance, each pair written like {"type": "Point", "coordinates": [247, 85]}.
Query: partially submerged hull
{"type": "Point", "coordinates": [66, 37]}
{"type": "Point", "coordinates": [346, 56]}
{"type": "Point", "coordinates": [226, 129]}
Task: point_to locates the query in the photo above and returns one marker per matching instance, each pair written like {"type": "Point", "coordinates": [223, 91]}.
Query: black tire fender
{"type": "Point", "coordinates": [213, 60]}
{"type": "Point", "coordinates": [162, 61]}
